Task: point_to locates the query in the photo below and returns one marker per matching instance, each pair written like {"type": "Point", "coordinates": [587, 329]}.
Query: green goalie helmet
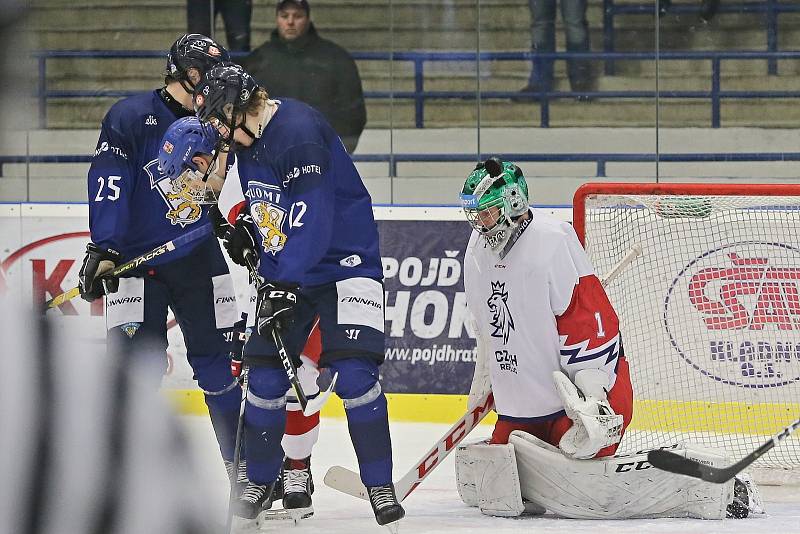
{"type": "Point", "coordinates": [493, 196]}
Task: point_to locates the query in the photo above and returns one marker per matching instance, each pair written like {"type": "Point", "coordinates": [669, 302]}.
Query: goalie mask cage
{"type": "Point", "coordinates": [709, 312]}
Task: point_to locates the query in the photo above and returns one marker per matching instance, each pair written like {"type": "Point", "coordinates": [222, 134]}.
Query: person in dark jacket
{"type": "Point", "coordinates": [296, 62]}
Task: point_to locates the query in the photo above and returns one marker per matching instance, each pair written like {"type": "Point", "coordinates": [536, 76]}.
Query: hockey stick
{"type": "Point", "coordinates": [237, 451]}
{"type": "Point", "coordinates": [169, 246]}
{"type": "Point", "coordinates": [633, 253]}
{"type": "Point", "coordinates": [309, 406]}
{"type": "Point", "coordinates": [347, 481]}
{"type": "Point", "coordinates": [675, 463]}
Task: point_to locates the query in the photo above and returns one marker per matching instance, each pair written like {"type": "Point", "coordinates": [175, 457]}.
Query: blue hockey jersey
{"type": "Point", "coordinates": [308, 202]}
{"type": "Point", "coordinates": [132, 206]}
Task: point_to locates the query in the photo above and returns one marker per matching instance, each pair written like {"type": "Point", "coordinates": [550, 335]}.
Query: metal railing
{"type": "Point", "coordinates": [393, 160]}
{"type": "Point", "coordinates": [770, 8]}
{"type": "Point", "coordinates": [419, 95]}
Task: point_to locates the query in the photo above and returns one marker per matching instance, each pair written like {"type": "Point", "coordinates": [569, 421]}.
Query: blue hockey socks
{"type": "Point", "coordinates": [367, 418]}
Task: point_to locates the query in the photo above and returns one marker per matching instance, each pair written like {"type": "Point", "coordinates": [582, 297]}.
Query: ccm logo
{"type": "Point", "coordinates": [633, 466]}
{"type": "Point", "coordinates": [286, 295]}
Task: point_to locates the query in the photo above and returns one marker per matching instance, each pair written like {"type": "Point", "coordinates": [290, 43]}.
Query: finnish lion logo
{"type": "Point", "coordinates": [502, 322]}
{"type": "Point", "coordinates": [184, 208]}
{"type": "Point", "coordinates": [269, 220]}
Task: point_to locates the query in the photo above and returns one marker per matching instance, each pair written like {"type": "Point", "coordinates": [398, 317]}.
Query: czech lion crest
{"type": "Point", "coordinates": [501, 321]}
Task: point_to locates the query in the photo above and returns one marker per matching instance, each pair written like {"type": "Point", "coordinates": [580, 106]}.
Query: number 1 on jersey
{"type": "Point", "coordinates": [600, 331]}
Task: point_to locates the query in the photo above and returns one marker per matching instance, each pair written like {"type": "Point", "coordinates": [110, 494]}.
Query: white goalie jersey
{"type": "Point", "coordinates": [539, 309]}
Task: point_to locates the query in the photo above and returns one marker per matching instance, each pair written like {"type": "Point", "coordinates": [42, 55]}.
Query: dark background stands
{"type": "Point", "coordinates": [236, 15]}
{"type": "Point", "coordinates": [296, 62]}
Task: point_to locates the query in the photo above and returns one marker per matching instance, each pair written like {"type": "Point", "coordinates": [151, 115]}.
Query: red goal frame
{"type": "Point", "coordinates": [717, 189]}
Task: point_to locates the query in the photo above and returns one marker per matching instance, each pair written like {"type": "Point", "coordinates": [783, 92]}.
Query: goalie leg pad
{"type": "Point", "coordinates": [620, 487]}
{"type": "Point", "coordinates": [486, 476]}
{"type": "Point", "coordinates": [465, 463]}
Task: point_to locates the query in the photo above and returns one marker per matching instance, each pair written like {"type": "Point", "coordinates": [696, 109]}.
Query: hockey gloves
{"type": "Point", "coordinates": [595, 426]}
{"type": "Point", "coordinates": [239, 237]}
{"type": "Point", "coordinates": [218, 222]}
{"type": "Point", "coordinates": [274, 307]}
{"type": "Point", "coordinates": [95, 278]}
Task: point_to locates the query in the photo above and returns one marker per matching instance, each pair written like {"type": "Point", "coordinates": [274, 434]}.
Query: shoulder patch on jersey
{"type": "Point", "coordinates": [296, 172]}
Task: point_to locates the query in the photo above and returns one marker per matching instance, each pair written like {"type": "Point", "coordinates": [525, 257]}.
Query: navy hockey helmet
{"type": "Point", "coordinates": [223, 95]}
{"type": "Point", "coordinates": [183, 140]}
{"type": "Point", "coordinates": [197, 51]}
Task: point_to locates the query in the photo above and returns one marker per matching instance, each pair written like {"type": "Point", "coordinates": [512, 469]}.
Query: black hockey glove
{"type": "Point", "coordinates": [239, 237]}
{"type": "Point", "coordinates": [218, 222]}
{"type": "Point", "coordinates": [95, 278]}
{"type": "Point", "coordinates": [275, 306]}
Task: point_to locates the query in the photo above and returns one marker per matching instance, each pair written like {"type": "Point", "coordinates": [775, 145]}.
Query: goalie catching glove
{"type": "Point", "coordinates": [95, 278]}
{"type": "Point", "coordinates": [595, 425]}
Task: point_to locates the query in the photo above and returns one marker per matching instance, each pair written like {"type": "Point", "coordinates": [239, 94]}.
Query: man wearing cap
{"type": "Point", "coordinates": [296, 62]}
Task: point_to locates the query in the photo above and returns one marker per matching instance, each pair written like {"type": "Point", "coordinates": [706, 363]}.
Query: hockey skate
{"type": "Point", "coordinates": [388, 510]}
{"type": "Point", "coordinates": [238, 480]}
{"type": "Point", "coordinates": [253, 500]}
{"type": "Point", "coordinates": [298, 485]}
{"type": "Point", "coordinates": [746, 498]}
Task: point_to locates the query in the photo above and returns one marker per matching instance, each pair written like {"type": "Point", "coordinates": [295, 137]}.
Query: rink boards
{"type": "Point", "coordinates": [430, 350]}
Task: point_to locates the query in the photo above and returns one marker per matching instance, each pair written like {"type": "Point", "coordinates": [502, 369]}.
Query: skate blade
{"type": "Point", "coordinates": [241, 525]}
{"type": "Point", "coordinates": [393, 527]}
{"type": "Point", "coordinates": [281, 514]}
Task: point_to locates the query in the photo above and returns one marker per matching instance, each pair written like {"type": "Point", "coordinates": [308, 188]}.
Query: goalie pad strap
{"type": "Point", "coordinates": [621, 487]}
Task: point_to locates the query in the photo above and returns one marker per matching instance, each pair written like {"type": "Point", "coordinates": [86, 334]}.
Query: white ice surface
{"type": "Point", "coordinates": [435, 508]}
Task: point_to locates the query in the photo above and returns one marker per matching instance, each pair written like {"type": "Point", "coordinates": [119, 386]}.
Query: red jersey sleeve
{"type": "Point", "coordinates": [589, 329]}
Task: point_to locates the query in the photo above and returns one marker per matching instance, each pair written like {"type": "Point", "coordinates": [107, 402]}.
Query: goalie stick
{"type": "Point", "coordinates": [309, 406]}
{"type": "Point", "coordinates": [633, 253]}
{"type": "Point", "coordinates": [169, 246]}
{"type": "Point", "coordinates": [348, 481]}
{"type": "Point", "coordinates": [675, 463]}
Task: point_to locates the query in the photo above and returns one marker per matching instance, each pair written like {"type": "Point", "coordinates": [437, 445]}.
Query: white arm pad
{"type": "Point", "coordinates": [481, 382]}
{"type": "Point", "coordinates": [595, 425]}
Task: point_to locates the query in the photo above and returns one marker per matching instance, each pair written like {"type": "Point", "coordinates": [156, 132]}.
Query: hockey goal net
{"type": "Point", "coordinates": [709, 311]}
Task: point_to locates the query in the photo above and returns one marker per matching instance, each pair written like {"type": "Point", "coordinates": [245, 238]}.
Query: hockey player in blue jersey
{"type": "Point", "coordinates": [187, 153]}
{"type": "Point", "coordinates": [309, 217]}
{"type": "Point", "coordinates": [133, 208]}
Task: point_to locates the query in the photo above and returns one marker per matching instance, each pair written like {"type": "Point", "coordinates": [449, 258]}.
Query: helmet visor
{"type": "Point", "coordinates": [191, 184]}
{"type": "Point", "coordinates": [485, 216]}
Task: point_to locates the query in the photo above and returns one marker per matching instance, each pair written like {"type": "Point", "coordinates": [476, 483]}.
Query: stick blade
{"type": "Point", "coordinates": [674, 463]}
{"type": "Point", "coordinates": [315, 405]}
{"type": "Point", "coordinates": [347, 481]}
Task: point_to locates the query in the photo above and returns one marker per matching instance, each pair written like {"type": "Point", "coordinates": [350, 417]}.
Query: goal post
{"type": "Point", "coordinates": [709, 311]}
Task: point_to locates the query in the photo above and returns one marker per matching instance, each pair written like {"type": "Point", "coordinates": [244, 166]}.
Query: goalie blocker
{"type": "Point", "coordinates": [529, 475]}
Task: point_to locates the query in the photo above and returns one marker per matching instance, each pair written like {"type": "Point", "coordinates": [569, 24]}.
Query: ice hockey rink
{"type": "Point", "coordinates": [435, 508]}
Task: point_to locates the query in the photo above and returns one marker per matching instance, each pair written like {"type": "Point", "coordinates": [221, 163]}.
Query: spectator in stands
{"type": "Point", "coordinates": [543, 39]}
{"type": "Point", "coordinates": [296, 62]}
{"type": "Point", "coordinates": [235, 13]}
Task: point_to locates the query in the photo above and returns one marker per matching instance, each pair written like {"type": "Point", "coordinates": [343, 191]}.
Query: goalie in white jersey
{"type": "Point", "coordinates": [550, 350]}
